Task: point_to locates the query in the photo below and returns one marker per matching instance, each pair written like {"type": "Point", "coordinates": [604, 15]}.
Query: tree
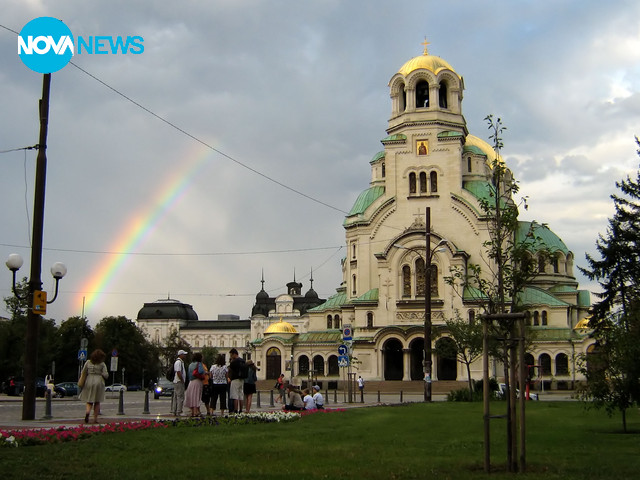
{"type": "Point", "coordinates": [209, 355]}
{"type": "Point", "coordinates": [466, 345]}
{"type": "Point", "coordinates": [70, 334]}
{"type": "Point", "coordinates": [169, 351]}
{"type": "Point", "coordinates": [505, 268]}
{"type": "Point", "coordinates": [135, 353]}
{"type": "Point", "coordinates": [613, 372]}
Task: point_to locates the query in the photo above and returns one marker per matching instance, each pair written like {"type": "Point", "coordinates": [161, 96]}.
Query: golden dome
{"type": "Point", "coordinates": [281, 327]}
{"type": "Point", "coordinates": [426, 61]}
{"type": "Point", "coordinates": [484, 147]}
{"type": "Point", "coordinates": [583, 324]}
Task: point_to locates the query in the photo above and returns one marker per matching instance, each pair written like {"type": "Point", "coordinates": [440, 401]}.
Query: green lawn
{"type": "Point", "coordinates": [432, 441]}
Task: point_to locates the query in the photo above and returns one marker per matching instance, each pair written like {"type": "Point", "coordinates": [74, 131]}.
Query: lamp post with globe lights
{"type": "Point", "coordinates": [36, 298]}
{"type": "Point", "coordinates": [429, 252]}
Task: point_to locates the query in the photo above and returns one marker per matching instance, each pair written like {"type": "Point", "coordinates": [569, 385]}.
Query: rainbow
{"type": "Point", "coordinates": [140, 226]}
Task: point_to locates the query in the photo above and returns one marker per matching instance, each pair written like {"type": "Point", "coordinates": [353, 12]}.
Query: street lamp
{"type": "Point", "coordinates": [429, 252]}
{"type": "Point", "coordinates": [36, 298]}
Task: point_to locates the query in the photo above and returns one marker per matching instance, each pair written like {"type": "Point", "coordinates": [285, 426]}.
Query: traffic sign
{"type": "Point", "coordinates": [343, 361]}
{"type": "Point", "coordinates": [346, 332]}
{"type": "Point", "coordinates": [343, 349]}
{"type": "Point", "coordinates": [82, 355]}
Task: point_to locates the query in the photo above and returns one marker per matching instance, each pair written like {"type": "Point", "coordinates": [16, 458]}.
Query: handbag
{"type": "Point", "coordinates": [197, 374]}
{"type": "Point", "coordinates": [83, 377]}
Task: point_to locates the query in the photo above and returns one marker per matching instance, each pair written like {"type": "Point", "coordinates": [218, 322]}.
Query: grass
{"type": "Point", "coordinates": [432, 441]}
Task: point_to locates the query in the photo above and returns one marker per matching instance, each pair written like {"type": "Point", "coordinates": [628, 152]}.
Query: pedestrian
{"type": "Point", "coordinates": [281, 388]}
{"type": "Point", "coordinates": [237, 374]}
{"type": "Point", "coordinates": [360, 384]}
{"type": "Point", "coordinates": [318, 397]}
{"type": "Point", "coordinates": [218, 380]}
{"type": "Point", "coordinates": [294, 400]}
{"type": "Point", "coordinates": [179, 376]}
{"type": "Point", "coordinates": [193, 394]}
{"type": "Point", "coordinates": [93, 389]}
{"type": "Point", "coordinates": [206, 389]}
{"type": "Point", "coordinates": [307, 399]}
{"type": "Point", "coordinates": [249, 387]}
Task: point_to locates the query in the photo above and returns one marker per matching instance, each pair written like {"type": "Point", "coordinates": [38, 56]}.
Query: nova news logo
{"type": "Point", "coordinates": [46, 45]}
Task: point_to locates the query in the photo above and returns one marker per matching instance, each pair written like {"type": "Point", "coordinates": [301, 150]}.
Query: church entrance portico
{"type": "Point", "coordinates": [416, 358]}
{"type": "Point", "coordinates": [274, 363]}
{"type": "Point", "coordinates": [392, 354]}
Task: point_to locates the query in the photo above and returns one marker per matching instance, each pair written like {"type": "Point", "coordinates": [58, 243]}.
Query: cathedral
{"type": "Point", "coordinates": [430, 169]}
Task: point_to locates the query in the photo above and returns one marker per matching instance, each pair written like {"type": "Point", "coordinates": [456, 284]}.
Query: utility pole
{"type": "Point", "coordinates": [35, 281]}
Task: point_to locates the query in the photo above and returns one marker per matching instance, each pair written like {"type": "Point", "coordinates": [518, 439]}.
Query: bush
{"type": "Point", "coordinates": [462, 395]}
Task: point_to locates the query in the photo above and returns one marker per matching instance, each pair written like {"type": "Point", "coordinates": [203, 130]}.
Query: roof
{"type": "Point", "coordinates": [369, 297]}
{"type": "Point", "coordinates": [334, 302]}
{"type": "Point", "coordinates": [548, 239]}
{"type": "Point", "coordinates": [532, 296]}
{"type": "Point", "coordinates": [365, 199]}
{"type": "Point", "coordinates": [377, 156]}
{"type": "Point", "coordinates": [432, 63]}
{"type": "Point", "coordinates": [324, 336]}
{"type": "Point", "coordinates": [167, 309]}
{"type": "Point", "coordinates": [280, 327]}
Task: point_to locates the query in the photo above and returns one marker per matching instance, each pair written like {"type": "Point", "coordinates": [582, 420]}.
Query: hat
{"type": "Point", "coordinates": [316, 387]}
{"type": "Point", "coordinates": [182, 352]}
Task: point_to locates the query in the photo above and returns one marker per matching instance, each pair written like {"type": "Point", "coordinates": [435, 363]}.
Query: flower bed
{"type": "Point", "coordinates": [41, 436]}
{"type": "Point", "coordinates": [27, 437]}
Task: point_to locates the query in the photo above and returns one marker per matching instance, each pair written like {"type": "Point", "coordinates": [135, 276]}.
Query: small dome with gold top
{"type": "Point", "coordinates": [280, 327]}
{"type": "Point", "coordinates": [432, 63]}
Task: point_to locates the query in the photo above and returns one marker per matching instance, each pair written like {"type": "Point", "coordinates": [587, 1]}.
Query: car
{"type": "Point", "coordinates": [164, 388]}
{"type": "Point", "coordinates": [65, 389]}
{"type": "Point", "coordinates": [502, 391]}
{"type": "Point", "coordinates": [116, 387]}
{"type": "Point", "coordinates": [133, 388]}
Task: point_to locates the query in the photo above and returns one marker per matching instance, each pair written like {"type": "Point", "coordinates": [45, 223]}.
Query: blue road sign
{"type": "Point", "coordinates": [343, 349]}
{"type": "Point", "coordinates": [343, 361]}
{"type": "Point", "coordinates": [82, 354]}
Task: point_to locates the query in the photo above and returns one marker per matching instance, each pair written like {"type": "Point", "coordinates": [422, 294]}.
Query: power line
{"type": "Point", "coordinates": [179, 254]}
{"type": "Point", "coordinates": [210, 147]}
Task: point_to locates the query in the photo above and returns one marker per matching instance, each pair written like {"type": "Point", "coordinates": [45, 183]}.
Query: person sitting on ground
{"type": "Point", "coordinates": [318, 398]}
{"type": "Point", "coordinates": [309, 403]}
{"type": "Point", "coordinates": [294, 401]}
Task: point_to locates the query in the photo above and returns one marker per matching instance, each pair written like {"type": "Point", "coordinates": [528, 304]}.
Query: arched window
{"type": "Point", "coordinates": [384, 170]}
{"type": "Point", "coordinates": [545, 364]}
{"type": "Point", "coordinates": [329, 322]}
{"type": "Point", "coordinates": [555, 264]}
{"type": "Point", "coordinates": [303, 365]}
{"type": "Point", "coordinates": [536, 318]}
{"type": "Point", "coordinates": [544, 317]}
{"type": "Point", "coordinates": [334, 369]}
{"type": "Point", "coordinates": [472, 316]}
{"type": "Point", "coordinates": [422, 94]}
{"type": "Point", "coordinates": [434, 280]}
{"type": "Point", "coordinates": [412, 182]}
{"type": "Point", "coordinates": [442, 95]}
{"type": "Point", "coordinates": [562, 364]}
{"type": "Point", "coordinates": [527, 318]}
{"type": "Point", "coordinates": [423, 182]}
{"type": "Point", "coordinates": [469, 164]}
{"type": "Point", "coordinates": [433, 176]}
{"type": "Point", "coordinates": [420, 278]}
{"type": "Point", "coordinates": [406, 281]}
{"type": "Point", "coordinates": [369, 319]}
{"type": "Point", "coordinates": [353, 285]}
{"type": "Point", "coordinates": [318, 365]}
{"type": "Point", "coordinates": [403, 100]}
{"type": "Point", "coordinates": [336, 321]}
{"type": "Point", "coordinates": [541, 264]}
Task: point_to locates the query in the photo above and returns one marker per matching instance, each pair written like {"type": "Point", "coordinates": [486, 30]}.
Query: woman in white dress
{"type": "Point", "coordinates": [93, 390]}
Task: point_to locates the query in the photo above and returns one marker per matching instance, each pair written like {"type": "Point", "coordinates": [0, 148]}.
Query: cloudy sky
{"type": "Point", "coordinates": [270, 113]}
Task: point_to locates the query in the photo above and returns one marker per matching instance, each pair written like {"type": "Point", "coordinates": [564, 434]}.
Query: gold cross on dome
{"type": "Point", "coordinates": [425, 43]}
